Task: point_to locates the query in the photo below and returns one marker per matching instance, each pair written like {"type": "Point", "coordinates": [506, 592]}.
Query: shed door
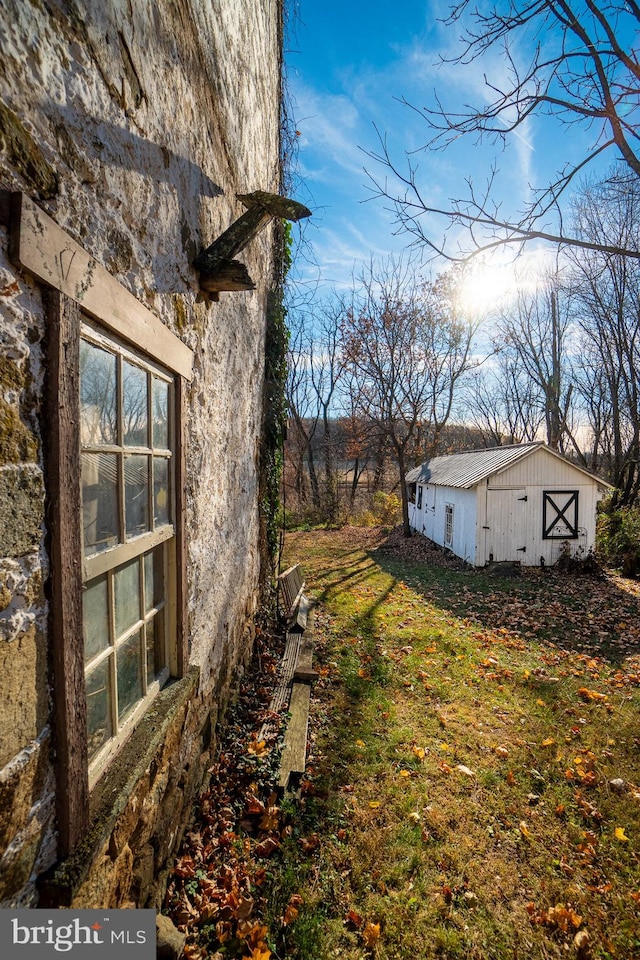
{"type": "Point", "coordinates": [506, 531]}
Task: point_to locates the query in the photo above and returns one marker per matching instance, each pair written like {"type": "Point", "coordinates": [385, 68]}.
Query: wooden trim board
{"type": "Point", "coordinates": [40, 246]}
{"type": "Point", "coordinates": [65, 513]}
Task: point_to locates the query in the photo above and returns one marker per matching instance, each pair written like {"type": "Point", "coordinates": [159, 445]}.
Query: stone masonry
{"type": "Point", "coordinates": [133, 126]}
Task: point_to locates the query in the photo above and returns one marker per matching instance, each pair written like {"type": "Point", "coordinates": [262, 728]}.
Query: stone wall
{"type": "Point", "coordinates": [133, 126]}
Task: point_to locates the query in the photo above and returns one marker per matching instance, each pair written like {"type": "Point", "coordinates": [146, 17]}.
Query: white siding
{"type": "Point", "coordinates": [502, 518]}
{"type": "Point", "coordinates": [514, 523]}
{"type": "Point", "coordinates": [430, 519]}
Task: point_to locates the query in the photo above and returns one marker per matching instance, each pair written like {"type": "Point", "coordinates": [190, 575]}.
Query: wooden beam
{"type": "Point", "coordinates": [294, 751]}
{"type": "Point", "coordinates": [65, 519]}
{"type": "Point", "coordinates": [229, 275]}
{"type": "Point", "coordinates": [40, 246]}
{"type": "Point", "coordinates": [262, 207]}
{"type": "Point", "coordinates": [182, 558]}
{"type": "Point", "coordinates": [275, 205]}
{"type": "Point", "coordinates": [304, 672]}
{"type": "Point", "coordinates": [5, 207]}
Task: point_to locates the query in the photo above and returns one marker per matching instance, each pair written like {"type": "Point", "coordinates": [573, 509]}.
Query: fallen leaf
{"type": "Point", "coordinates": [582, 944]}
{"type": "Point", "coordinates": [418, 752]}
{"type": "Point", "coordinates": [548, 742]}
{"type": "Point", "coordinates": [590, 695]}
{"type": "Point", "coordinates": [467, 772]}
{"type": "Point", "coordinates": [524, 829]}
{"type": "Point", "coordinates": [374, 804]}
{"type": "Point", "coordinates": [371, 934]}
{"type": "Point", "coordinates": [309, 844]}
{"type": "Point", "coordinates": [266, 847]}
{"type": "Point", "coordinates": [501, 751]}
{"type": "Point", "coordinates": [354, 919]}
{"type": "Point", "coordinates": [290, 914]}
{"type": "Point", "coordinates": [620, 834]}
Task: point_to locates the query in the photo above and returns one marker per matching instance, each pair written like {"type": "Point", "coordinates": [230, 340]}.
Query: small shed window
{"type": "Point", "coordinates": [448, 524]}
{"type": "Point", "coordinates": [560, 514]}
{"type": "Point", "coordinates": [419, 498]}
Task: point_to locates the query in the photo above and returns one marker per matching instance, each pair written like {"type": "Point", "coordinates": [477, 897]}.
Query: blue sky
{"type": "Point", "coordinates": [348, 63]}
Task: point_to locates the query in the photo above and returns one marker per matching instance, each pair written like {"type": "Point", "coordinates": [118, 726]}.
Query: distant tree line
{"type": "Point", "coordinates": [398, 371]}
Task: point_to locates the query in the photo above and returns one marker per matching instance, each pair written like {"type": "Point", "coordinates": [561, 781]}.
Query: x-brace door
{"type": "Point", "coordinates": [560, 514]}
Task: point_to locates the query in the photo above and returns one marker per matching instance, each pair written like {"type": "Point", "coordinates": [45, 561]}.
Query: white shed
{"type": "Point", "coordinates": [516, 503]}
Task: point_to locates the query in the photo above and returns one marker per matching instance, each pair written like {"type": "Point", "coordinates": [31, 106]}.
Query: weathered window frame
{"type": "Point", "coordinates": [76, 285]}
{"type": "Point", "coordinates": [448, 524]}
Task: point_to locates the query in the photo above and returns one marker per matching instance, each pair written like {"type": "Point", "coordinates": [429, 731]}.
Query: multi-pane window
{"type": "Point", "coordinates": [126, 433]}
{"type": "Point", "coordinates": [448, 524]}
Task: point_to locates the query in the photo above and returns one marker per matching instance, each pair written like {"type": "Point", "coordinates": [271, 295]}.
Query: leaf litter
{"type": "Point", "coordinates": [539, 784]}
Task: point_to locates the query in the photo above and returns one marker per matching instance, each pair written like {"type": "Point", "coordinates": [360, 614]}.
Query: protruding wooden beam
{"type": "Point", "coordinates": [214, 263]}
{"type": "Point", "coordinates": [230, 275]}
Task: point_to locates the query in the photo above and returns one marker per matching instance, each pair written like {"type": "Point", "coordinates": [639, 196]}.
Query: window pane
{"type": "Point", "coordinates": [129, 674]}
{"type": "Point", "coordinates": [97, 395]}
{"type": "Point", "coordinates": [126, 582]}
{"type": "Point", "coordinates": [95, 614]}
{"type": "Point", "coordinates": [153, 578]}
{"type": "Point", "coordinates": [155, 646]}
{"type": "Point", "coordinates": [136, 495]}
{"type": "Point", "coordinates": [160, 490]}
{"type": "Point", "coordinates": [160, 413]}
{"type": "Point", "coordinates": [99, 727]}
{"type": "Point", "coordinates": [99, 501]}
{"type": "Point", "coordinates": [134, 406]}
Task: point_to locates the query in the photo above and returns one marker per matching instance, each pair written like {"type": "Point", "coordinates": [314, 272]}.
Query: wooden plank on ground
{"type": "Point", "coordinates": [304, 672]}
{"type": "Point", "coordinates": [285, 676]}
{"type": "Point", "coordinates": [294, 751]}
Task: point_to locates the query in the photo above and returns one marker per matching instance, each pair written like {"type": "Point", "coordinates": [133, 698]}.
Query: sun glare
{"type": "Point", "coordinates": [488, 286]}
{"type": "Point", "coordinates": [485, 288]}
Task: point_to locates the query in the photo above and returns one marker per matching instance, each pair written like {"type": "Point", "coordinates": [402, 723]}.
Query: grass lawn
{"type": "Point", "coordinates": [473, 780]}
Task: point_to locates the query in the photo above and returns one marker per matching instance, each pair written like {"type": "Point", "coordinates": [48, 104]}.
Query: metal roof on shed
{"type": "Point", "coordinates": [470, 467]}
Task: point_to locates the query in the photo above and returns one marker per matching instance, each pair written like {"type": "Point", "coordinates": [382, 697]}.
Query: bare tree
{"type": "Point", "coordinates": [580, 71]}
{"type": "Point", "coordinates": [503, 403]}
{"type": "Point", "coordinates": [607, 310]}
{"type": "Point", "coordinates": [406, 352]}
{"type": "Point", "coordinates": [533, 331]}
{"type": "Point", "coordinates": [315, 368]}
{"type": "Point", "coordinates": [303, 412]}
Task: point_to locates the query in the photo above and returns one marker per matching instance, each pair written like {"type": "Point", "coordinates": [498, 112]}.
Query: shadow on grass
{"type": "Point", "coordinates": [576, 613]}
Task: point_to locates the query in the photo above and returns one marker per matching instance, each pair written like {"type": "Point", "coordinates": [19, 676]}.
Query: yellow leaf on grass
{"type": "Point", "coordinates": [359, 743]}
{"type": "Point", "coordinates": [418, 752]}
{"type": "Point", "coordinates": [405, 773]}
{"type": "Point", "coordinates": [540, 703]}
{"type": "Point", "coordinates": [548, 742]}
{"type": "Point", "coordinates": [590, 695]}
{"type": "Point", "coordinates": [374, 804]}
{"type": "Point", "coordinates": [620, 834]}
{"type": "Point", "coordinates": [524, 829]}
{"type": "Point", "coordinates": [371, 934]}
